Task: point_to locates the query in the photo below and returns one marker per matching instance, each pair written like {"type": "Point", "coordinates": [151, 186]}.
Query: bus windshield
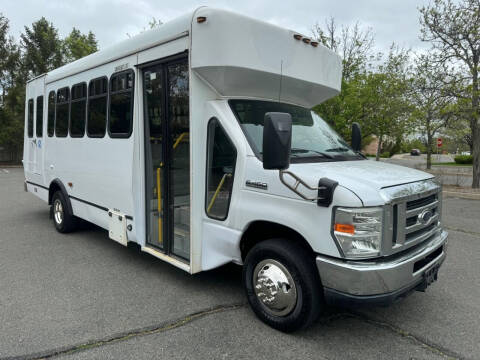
{"type": "Point", "coordinates": [313, 139]}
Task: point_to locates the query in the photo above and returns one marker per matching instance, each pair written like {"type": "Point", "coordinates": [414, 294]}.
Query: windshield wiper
{"type": "Point", "coordinates": [338, 149]}
{"type": "Point", "coordinates": [297, 150]}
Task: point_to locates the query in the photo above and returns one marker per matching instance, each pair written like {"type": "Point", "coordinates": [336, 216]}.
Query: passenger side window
{"type": "Point", "coordinates": [121, 104]}
{"type": "Point", "coordinates": [30, 118]}
{"type": "Point", "coordinates": [97, 107]}
{"type": "Point", "coordinates": [39, 127]}
{"type": "Point", "coordinates": [51, 114]}
{"type": "Point", "coordinates": [221, 160]}
{"type": "Point", "coordinates": [61, 123]}
{"type": "Point", "coordinates": [78, 110]}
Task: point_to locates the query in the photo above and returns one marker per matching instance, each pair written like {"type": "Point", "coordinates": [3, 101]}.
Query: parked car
{"type": "Point", "coordinates": [415, 152]}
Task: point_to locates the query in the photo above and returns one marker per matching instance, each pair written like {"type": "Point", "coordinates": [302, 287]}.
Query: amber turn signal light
{"type": "Point", "coordinates": [345, 228]}
{"type": "Point", "coordinates": [201, 19]}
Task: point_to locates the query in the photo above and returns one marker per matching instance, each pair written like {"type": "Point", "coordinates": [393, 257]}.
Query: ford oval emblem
{"type": "Point", "coordinates": [425, 216]}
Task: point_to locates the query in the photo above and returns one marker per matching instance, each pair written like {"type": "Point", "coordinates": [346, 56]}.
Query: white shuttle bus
{"type": "Point", "coordinates": [196, 142]}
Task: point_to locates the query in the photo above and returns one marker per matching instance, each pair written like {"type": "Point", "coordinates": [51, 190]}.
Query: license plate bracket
{"type": "Point", "coordinates": [429, 276]}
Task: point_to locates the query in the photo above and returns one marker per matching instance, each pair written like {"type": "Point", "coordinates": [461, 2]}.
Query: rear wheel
{"type": "Point", "coordinates": [63, 220]}
{"type": "Point", "coordinates": [282, 284]}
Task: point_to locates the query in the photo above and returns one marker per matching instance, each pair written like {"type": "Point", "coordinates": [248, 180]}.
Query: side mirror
{"type": "Point", "coordinates": [356, 137]}
{"type": "Point", "coordinates": [277, 140]}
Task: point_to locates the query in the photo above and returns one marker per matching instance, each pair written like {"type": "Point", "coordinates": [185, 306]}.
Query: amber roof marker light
{"type": "Point", "coordinates": [201, 19]}
{"type": "Point", "coordinates": [297, 37]}
{"type": "Point", "coordinates": [306, 40]}
{"type": "Point", "coordinates": [314, 43]}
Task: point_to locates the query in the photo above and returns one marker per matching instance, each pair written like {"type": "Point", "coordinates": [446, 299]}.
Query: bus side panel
{"type": "Point", "coordinates": [96, 171]}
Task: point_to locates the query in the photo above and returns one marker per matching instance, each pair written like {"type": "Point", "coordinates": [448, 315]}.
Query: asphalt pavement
{"type": "Point", "coordinates": [83, 296]}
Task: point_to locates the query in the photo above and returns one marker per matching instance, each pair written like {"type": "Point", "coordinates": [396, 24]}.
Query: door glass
{"type": "Point", "coordinates": [179, 166]}
{"type": "Point", "coordinates": [154, 105]}
{"type": "Point", "coordinates": [221, 158]}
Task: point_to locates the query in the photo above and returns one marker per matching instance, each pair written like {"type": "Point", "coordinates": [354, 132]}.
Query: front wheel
{"type": "Point", "coordinates": [282, 284]}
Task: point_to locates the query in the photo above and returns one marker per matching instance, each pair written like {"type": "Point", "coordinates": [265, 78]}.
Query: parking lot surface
{"type": "Point", "coordinates": [83, 296]}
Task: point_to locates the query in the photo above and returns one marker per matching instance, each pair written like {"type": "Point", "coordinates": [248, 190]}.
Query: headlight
{"type": "Point", "coordinates": [358, 231]}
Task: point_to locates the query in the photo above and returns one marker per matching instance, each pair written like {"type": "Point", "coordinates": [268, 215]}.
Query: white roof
{"type": "Point", "coordinates": [244, 57]}
{"type": "Point", "coordinates": [238, 56]}
{"type": "Point", "coordinates": [165, 33]}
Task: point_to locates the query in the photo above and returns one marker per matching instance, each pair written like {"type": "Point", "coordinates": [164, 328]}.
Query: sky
{"type": "Point", "coordinates": [110, 20]}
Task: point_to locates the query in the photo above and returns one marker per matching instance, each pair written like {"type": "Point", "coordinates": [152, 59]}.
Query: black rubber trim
{"type": "Point", "coordinates": [129, 217]}
{"type": "Point", "coordinates": [96, 205]}
{"type": "Point", "coordinates": [326, 188]}
{"type": "Point", "coordinates": [35, 184]}
{"type": "Point", "coordinates": [88, 203]}
{"type": "Point", "coordinates": [338, 298]}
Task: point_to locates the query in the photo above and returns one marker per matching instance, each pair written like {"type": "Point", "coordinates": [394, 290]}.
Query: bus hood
{"type": "Point", "coordinates": [365, 178]}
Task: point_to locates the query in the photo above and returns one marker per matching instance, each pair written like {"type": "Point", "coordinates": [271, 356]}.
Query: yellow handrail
{"type": "Point", "coordinates": [180, 138]}
{"type": "Point", "coordinates": [219, 187]}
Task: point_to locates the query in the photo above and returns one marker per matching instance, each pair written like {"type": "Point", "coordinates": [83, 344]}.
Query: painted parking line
{"type": "Point", "coordinates": [5, 171]}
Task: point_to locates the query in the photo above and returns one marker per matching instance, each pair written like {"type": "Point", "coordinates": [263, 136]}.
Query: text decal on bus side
{"type": "Point", "coordinates": [121, 67]}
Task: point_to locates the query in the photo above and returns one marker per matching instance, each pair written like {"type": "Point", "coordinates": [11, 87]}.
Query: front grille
{"type": "Point", "coordinates": [414, 204]}
{"type": "Point", "coordinates": [421, 217]}
{"type": "Point", "coordinates": [414, 215]}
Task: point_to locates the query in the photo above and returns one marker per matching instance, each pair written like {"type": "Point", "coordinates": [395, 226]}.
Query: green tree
{"type": "Point", "coordinates": [354, 46]}
{"type": "Point", "coordinates": [432, 105]}
{"type": "Point", "coordinates": [453, 28]}
{"type": "Point", "coordinates": [42, 48]}
{"type": "Point", "coordinates": [77, 45]}
{"type": "Point", "coordinates": [12, 98]}
{"type": "Point", "coordinates": [385, 99]}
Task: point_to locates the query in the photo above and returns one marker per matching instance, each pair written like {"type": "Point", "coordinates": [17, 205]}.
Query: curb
{"type": "Point", "coordinates": [462, 195]}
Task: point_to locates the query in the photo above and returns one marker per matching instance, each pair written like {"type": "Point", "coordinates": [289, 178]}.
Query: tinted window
{"type": "Point", "coordinates": [78, 110]}
{"type": "Point", "coordinates": [97, 107]}
{"type": "Point", "coordinates": [221, 158]}
{"type": "Point", "coordinates": [39, 128]}
{"type": "Point", "coordinates": [30, 118]}
{"type": "Point", "coordinates": [121, 104]}
{"type": "Point", "coordinates": [61, 123]}
{"type": "Point", "coordinates": [51, 113]}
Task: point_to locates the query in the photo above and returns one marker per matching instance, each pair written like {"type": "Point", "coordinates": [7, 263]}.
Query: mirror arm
{"type": "Point", "coordinates": [299, 181]}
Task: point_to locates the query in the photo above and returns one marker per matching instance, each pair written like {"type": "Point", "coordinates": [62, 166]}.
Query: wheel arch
{"type": "Point", "coordinates": [261, 230]}
{"type": "Point", "coordinates": [57, 185]}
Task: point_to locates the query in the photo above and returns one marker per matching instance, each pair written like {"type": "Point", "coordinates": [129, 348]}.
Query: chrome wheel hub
{"type": "Point", "coordinates": [58, 211]}
{"type": "Point", "coordinates": [274, 287]}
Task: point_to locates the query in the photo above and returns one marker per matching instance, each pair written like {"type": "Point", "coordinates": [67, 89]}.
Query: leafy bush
{"type": "Point", "coordinates": [464, 159]}
{"type": "Point", "coordinates": [385, 154]}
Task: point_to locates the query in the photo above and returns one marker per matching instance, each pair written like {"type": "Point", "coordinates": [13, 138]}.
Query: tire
{"type": "Point", "coordinates": [63, 220]}
{"type": "Point", "coordinates": [297, 265]}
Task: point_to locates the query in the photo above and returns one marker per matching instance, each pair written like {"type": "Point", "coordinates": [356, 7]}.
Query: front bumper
{"type": "Point", "coordinates": [380, 281]}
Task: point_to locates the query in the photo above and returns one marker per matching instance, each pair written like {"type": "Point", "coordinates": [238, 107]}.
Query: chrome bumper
{"type": "Point", "coordinates": [380, 277]}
